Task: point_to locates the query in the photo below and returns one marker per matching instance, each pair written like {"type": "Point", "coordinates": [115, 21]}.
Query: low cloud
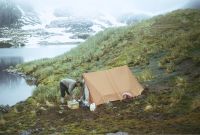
{"type": "Point", "coordinates": [114, 7]}
{"type": "Point", "coordinates": [193, 4]}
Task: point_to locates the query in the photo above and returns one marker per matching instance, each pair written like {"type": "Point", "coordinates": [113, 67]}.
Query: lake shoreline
{"type": "Point", "coordinates": [28, 78]}
{"type": "Point", "coordinates": [13, 80]}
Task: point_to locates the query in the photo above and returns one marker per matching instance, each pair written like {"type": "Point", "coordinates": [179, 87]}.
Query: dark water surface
{"type": "Point", "coordinates": [14, 88]}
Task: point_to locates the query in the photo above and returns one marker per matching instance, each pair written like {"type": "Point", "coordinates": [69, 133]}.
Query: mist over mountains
{"type": "Point", "coordinates": [64, 21]}
{"type": "Point", "coordinates": [194, 4]}
{"type": "Point", "coordinates": [113, 12]}
{"type": "Point", "coordinates": [29, 24]}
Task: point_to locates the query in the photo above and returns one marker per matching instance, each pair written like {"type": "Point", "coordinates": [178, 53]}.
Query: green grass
{"type": "Point", "coordinates": [146, 75]}
{"type": "Point", "coordinates": [44, 93]}
{"type": "Point", "coordinates": [131, 45]}
{"type": "Point", "coordinates": [155, 50]}
{"type": "Point", "coordinates": [2, 121]}
{"type": "Point", "coordinates": [195, 103]}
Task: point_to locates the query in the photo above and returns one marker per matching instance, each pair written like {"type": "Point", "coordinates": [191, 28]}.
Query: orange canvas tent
{"type": "Point", "coordinates": [109, 85]}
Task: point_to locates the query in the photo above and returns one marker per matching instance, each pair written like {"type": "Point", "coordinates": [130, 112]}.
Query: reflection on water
{"type": "Point", "coordinates": [14, 88]}
{"type": "Point", "coordinates": [6, 61]}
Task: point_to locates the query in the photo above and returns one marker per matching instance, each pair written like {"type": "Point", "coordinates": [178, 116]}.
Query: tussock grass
{"type": "Point", "coordinates": [177, 95]}
{"type": "Point", "coordinates": [43, 93]}
{"type": "Point", "coordinates": [2, 120]}
{"type": "Point", "coordinates": [180, 81]}
{"type": "Point", "coordinates": [195, 103]}
{"type": "Point", "coordinates": [171, 99]}
{"type": "Point", "coordinates": [145, 75]}
{"type": "Point", "coordinates": [176, 34]}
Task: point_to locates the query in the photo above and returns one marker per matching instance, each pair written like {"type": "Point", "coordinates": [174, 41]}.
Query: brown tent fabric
{"type": "Point", "coordinates": [109, 85]}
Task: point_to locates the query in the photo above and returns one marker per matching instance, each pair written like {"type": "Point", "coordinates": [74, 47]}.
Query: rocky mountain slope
{"type": "Point", "coordinates": [32, 27]}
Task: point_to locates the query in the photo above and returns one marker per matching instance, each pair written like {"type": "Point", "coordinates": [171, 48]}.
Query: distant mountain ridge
{"type": "Point", "coordinates": [51, 27]}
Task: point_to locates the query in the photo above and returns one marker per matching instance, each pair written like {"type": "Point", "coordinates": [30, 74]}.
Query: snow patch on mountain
{"type": "Point", "coordinates": [52, 27]}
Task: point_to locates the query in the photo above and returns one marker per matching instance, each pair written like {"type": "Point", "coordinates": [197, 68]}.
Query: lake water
{"type": "Point", "coordinates": [14, 88]}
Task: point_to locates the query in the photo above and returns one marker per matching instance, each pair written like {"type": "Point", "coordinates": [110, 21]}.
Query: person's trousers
{"type": "Point", "coordinates": [63, 90]}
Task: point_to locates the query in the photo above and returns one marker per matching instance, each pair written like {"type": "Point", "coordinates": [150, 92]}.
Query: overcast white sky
{"type": "Point", "coordinates": [114, 7]}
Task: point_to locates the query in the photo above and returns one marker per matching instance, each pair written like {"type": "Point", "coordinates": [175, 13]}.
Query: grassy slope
{"type": "Point", "coordinates": [162, 52]}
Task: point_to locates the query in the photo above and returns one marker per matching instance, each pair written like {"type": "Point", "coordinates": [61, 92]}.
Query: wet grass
{"type": "Point", "coordinates": [162, 52]}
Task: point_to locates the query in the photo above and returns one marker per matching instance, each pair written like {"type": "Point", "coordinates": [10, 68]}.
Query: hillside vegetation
{"type": "Point", "coordinates": [163, 53]}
